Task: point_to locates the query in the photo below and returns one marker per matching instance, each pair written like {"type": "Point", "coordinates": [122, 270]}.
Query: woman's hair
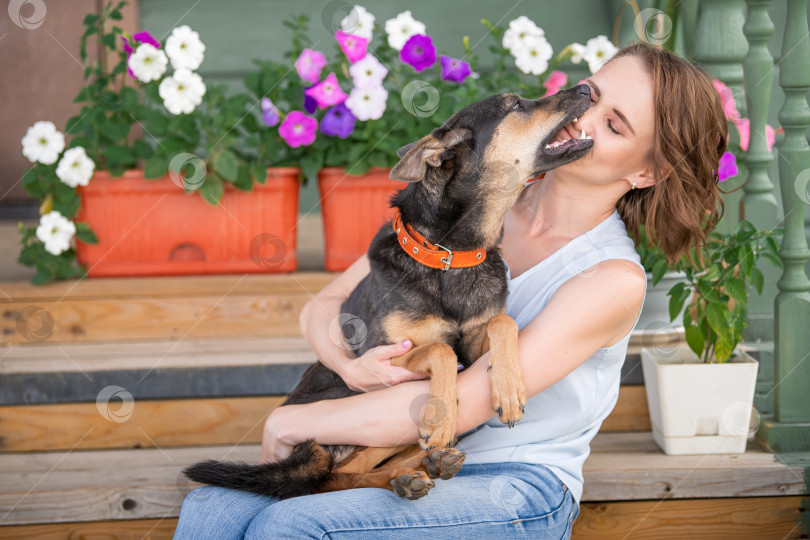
{"type": "Point", "coordinates": [691, 133]}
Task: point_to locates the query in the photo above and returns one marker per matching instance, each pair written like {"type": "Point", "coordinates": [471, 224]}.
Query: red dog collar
{"type": "Point", "coordinates": [434, 255]}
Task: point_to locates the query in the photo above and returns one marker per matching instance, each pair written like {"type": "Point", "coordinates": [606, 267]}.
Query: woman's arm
{"type": "Point", "coordinates": [587, 312]}
{"type": "Point", "coordinates": [318, 321]}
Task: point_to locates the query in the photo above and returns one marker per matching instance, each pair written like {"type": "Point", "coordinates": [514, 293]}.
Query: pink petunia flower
{"type": "Point", "coordinates": [744, 128]}
{"type": "Point", "coordinates": [352, 45]}
{"type": "Point", "coordinates": [327, 92]}
{"type": "Point", "coordinates": [298, 129]}
{"type": "Point", "coordinates": [309, 65]}
{"type": "Point", "coordinates": [727, 167]}
{"type": "Point", "coordinates": [727, 99]}
{"type": "Point", "coordinates": [555, 81]}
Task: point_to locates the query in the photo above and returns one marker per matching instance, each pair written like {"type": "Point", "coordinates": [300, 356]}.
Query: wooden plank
{"type": "Point", "coordinates": [186, 422]}
{"type": "Point", "coordinates": [152, 424]}
{"type": "Point", "coordinates": [135, 287]}
{"type": "Point", "coordinates": [139, 484]}
{"type": "Point", "coordinates": [716, 519]}
{"type": "Point", "coordinates": [763, 518]}
{"type": "Point", "coordinates": [147, 529]}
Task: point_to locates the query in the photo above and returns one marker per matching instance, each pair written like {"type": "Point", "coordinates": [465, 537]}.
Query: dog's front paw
{"type": "Point", "coordinates": [438, 425]}
{"type": "Point", "coordinates": [412, 485]}
{"type": "Point", "coordinates": [444, 463]}
{"type": "Point", "coordinates": [508, 396]}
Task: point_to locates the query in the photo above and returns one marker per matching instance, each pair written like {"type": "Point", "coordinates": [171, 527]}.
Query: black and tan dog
{"type": "Point", "coordinates": [448, 298]}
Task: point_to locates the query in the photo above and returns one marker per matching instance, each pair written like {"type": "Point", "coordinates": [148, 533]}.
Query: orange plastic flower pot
{"type": "Point", "coordinates": [354, 208]}
{"type": "Point", "coordinates": [154, 228]}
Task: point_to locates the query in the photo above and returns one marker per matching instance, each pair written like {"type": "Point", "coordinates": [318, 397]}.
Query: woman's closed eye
{"type": "Point", "coordinates": [609, 124]}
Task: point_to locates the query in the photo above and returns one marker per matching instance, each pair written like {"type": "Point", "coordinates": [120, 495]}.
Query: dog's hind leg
{"type": "Point", "coordinates": [439, 362]}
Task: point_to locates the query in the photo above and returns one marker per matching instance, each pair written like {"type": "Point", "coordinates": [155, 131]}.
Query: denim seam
{"type": "Point", "coordinates": [501, 522]}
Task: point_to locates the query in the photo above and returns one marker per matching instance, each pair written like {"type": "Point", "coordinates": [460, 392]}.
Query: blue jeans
{"type": "Point", "coordinates": [493, 500]}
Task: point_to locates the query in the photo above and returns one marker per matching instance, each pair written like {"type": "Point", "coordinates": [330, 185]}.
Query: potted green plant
{"type": "Point", "coordinates": [700, 392]}
{"type": "Point", "coordinates": [175, 200]}
{"type": "Point", "coordinates": [661, 278]}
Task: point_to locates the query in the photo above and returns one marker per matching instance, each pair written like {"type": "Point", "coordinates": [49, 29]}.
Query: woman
{"type": "Point", "coordinates": [575, 289]}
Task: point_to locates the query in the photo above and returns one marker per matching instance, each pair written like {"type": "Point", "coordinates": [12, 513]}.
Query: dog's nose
{"type": "Point", "coordinates": [584, 90]}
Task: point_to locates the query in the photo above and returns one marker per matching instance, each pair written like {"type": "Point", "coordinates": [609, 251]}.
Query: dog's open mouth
{"type": "Point", "coordinates": [564, 140]}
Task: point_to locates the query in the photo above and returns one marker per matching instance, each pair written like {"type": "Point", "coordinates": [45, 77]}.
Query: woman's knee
{"type": "Point", "coordinates": [214, 512]}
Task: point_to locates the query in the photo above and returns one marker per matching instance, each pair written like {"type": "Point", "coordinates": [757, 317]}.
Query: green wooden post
{"type": "Point", "coordinates": [789, 428]}
{"type": "Point", "coordinates": [720, 47]}
{"type": "Point", "coordinates": [759, 202]}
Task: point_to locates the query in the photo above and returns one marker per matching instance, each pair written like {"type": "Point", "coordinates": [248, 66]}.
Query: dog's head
{"type": "Point", "coordinates": [506, 136]}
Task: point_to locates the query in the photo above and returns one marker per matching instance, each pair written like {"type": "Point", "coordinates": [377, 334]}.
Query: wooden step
{"type": "Point", "coordinates": [78, 485]}
{"type": "Point", "coordinates": [187, 422]}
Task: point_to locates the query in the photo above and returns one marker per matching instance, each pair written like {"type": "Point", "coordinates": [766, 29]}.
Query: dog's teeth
{"type": "Point", "coordinates": [583, 134]}
{"type": "Point", "coordinates": [589, 137]}
{"type": "Point", "coordinates": [575, 119]}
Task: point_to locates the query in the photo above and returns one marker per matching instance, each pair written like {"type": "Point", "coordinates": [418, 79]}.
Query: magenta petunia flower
{"type": "Point", "coordinates": [298, 129]}
{"type": "Point", "coordinates": [140, 37]}
{"type": "Point", "coordinates": [327, 92]}
{"type": "Point", "coordinates": [309, 65]}
{"type": "Point", "coordinates": [352, 45]}
{"type": "Point", "coordinates": [727, 167]}
{"type": "Point", "coordinates": [453, 69]}
{"type": "Point", "coordinates": [555, 81]}
{"type": "Point", "coordinates": [418, 52]}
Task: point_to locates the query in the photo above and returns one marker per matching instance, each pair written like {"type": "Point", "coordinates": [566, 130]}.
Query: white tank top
{"type": "Point", "coordinates": [559, 422]}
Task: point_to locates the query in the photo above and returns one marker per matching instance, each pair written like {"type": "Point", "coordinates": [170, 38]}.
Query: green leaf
{"type": "Point", "coordinates": [226, 165]}
{"type": "Point", "coordinates": [118, 155]}
{"type": "Point", "coordinates": [85, 234]}
{"type": "Point", "coordinates": [717, 315]}
{"type": "Point", "coordinates": [212, 189]}
{"type": "Point", "coordinates": [770, 257]}
{"type": "Point", "coordinates": [156, 166]}
{"type": "Point", "coordinates": [114, 131]}
{"type": "Point", "coordinates": [757, 279]}
{"type": "Point", "coordinates": [310, 165]}
{"type": "Point", "coordinates": [735, 289]}
{"type": "Point", "coordinates": [659, 270]}
{"type": "Point", "coordinates": [259, 172]}
{"type": "Point", "coordinates": [90, 19]}
{"type": "Point", "coordinates": [108, 40]}
{"type": "Point", "coordinates": [156, 124]}
{"type": "Point", "coordinates": [722, 347]}
{"type": "Point", "coordinates": [695, 339]}
{"type": "Point", "coordinates": [243, 181]}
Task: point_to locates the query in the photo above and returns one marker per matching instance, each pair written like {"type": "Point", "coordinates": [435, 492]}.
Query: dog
{"type": "Point", "coordinates": [449, 298]}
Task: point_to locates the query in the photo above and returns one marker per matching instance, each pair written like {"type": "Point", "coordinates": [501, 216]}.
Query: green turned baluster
{"type": "Point", "coordinates": [789, 428]}
{"type": "Point", "coordinates": [759, 202]}
{"type": "Point", "coordinates": [720, 47]}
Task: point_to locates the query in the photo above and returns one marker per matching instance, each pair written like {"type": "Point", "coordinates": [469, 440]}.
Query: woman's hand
{"type": "Point", "coordinates": [276, 442]}
{"type": "Point", "coordinates": [374, 369]}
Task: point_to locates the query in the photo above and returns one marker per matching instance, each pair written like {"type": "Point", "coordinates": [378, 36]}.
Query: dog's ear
{"type": "Point", "coordinates": [430, 150]}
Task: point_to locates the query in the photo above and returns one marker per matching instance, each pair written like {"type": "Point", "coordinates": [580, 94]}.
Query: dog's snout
{"type": "Point", "coordinates": [584, 89]}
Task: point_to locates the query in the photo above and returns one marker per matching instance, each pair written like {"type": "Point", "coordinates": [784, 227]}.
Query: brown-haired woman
{"type": "Point", "coordinates": [576, 288]}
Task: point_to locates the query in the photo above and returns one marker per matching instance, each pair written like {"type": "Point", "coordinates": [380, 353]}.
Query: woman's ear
{"type": "Point", "coordinates": [643, 179]}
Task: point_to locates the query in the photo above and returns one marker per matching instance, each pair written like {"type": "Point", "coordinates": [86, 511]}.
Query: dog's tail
{"type": "Point", "coordinates": [308, 467]}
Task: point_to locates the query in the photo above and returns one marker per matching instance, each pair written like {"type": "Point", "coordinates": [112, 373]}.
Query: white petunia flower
{"type": "Point", "coordinates": [534, 56]}
{"type": "Point", "coordinates": [520, 34]}
{"type": "Point", "coordinates": [182, 92]}
{"type": "Point", "coordinates": [368, 72]}
{"type": "Point", "coordinates": [43, 143]}
{"type": "Point", "coordinates": [75, 168]}
{"type": "Point", "coordinates": [55, 231]}
{"type": "Point", "coordinates": [185, 49]}
{"type": "Point", "coordinates": [598, 50]}
{"type": "Point", "coordinates": [578, 50]}
{"type": "Point", "coordinates": [401, 28]}
{"type": "Point", "coordinates": [148, 63]}
{"type": "Point", "coordinates": [358, 22]}
{"type": "Point", "coordinates": [367, 103]}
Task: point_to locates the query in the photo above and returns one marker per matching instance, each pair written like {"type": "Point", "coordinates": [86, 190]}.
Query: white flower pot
{"type": "Point", "coordinates": [655, 311]}
{"type": "Point", "coordinates": [699, 408]}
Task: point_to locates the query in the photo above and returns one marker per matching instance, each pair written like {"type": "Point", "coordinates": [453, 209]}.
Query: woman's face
{"type": "Point", "coordinates": [621, 122]}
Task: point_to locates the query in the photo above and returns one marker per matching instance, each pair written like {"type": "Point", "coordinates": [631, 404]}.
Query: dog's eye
{"type": "Point", "coordinates": [517, 106]}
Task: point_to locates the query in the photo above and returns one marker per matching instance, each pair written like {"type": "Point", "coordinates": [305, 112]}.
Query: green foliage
{"type": "Point", "coordinates": [715, 320]}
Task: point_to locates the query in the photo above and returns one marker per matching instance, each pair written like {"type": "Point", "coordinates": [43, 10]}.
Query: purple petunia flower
{"type": "Point", "coordinates": [338, 122]}
{"type": "Point", "coordinates": [418, 52]}
{"type": "Point", "coordinates": [140, 37]}
{"type": "Point", "coordinates": [269, 112]}
{"type": "Point", "coordinates": [727, 167]}
{"type": "Point", "coordinates": [310, 105]}
{"type": "Point", "coordinates": [453, 69]}
{"type": "Point", "coordinates": [298, 129]}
